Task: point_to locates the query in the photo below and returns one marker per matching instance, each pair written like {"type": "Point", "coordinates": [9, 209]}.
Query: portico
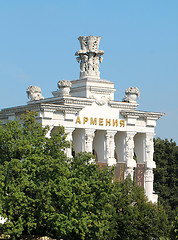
{"type": "Point", "coordinates": [114, 131]}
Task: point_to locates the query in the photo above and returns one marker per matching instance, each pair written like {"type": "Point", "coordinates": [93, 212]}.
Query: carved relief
{"type": "Point", "coordinates": [149, 148]}
{"type": "Point", "coordinates": [100, 100]}
{"type": "Point", "coordinates": [89, 135]}
{"type": "Point", "coordinates": [34, 93]}
{"type": "Point", "coordinates": [129, 153]}
{"type": "Point", "coordinates": [89, 56]}
{"type": "Point", "coordinates": [149, 175]}
{"type": "Point", "coordinates": [110, 144]}
{"type": "Point", "coordinates": [129, 148]}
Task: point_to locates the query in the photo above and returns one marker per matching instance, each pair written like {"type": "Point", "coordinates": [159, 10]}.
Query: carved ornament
{"type": "Point", "coordinates": [131, 94]}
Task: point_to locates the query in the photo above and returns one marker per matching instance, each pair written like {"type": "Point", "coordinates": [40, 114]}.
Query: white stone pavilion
{"type": "Point", "coordinates": [114, 131]}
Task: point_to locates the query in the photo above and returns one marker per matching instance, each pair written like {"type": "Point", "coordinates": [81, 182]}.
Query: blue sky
{"type": "Point", "coordinates": [38, 42]}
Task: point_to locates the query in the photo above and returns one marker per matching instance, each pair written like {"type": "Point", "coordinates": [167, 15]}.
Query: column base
{"type": "Point", "coordinates": [153, 198]}
{"type": "Point", "coordinates": [111, 161]}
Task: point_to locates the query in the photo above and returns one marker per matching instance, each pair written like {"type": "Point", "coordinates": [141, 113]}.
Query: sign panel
{"type": "Point", "coordinates": [139, 174]}
{"type": "Point", "coordinates": [120, 172]}
{"type": "Point", "coordinates": [99, 121]}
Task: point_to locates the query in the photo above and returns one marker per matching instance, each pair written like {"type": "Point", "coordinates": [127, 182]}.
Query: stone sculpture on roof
{"type": "Point", "coordinates": [89, 56]}
{"type": "Point", "coordinates": [34, 93]}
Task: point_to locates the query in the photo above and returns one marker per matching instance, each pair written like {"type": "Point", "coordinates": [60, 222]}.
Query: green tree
{"type": "Point", "coordinates": [136, 217]}
{"type": "Point", "coordinates": [174, 228]}
{"type": "Point", "coordinates": [43, 193]}
{"type": "Point", "coordinates": [91, 209]}
{"type": "Point", "coordinates": [166, 172]}
{"type": "Point", "coordinates": [33, 178]}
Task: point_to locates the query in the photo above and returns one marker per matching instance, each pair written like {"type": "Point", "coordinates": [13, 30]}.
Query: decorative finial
{"type": "Point", "coordinates": [89, 56]}
{"type": "Point", "coordinates": [131, 94]}
{"type": "Point", "coordinates": [34, 92]}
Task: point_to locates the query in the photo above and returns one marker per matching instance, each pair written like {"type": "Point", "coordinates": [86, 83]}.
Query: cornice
{"type": "Point", "coordinates": [141, 114]}
{"type": "Point", "coordinates": [123, 105]}
{"type": "Point", "coordinates": [76, 101]}
{"type": "Point", "coordinates": [19, 109]}
{"type": "Point", "coordinates": [90, 79]}
{"type": "Point", "coordinates": [40, 107]}
{"type": "Point", "coordinates": [64, 100]}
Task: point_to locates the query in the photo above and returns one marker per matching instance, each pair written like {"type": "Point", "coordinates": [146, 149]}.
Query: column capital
{"type": "Point", "coordinates": [150, 134]}
{"type": "Point", "coordinates": [110, 132]}
{"type": "Point", "coordinates": [130, 134]}
{"type": "Point", "coordinates": [69, 129]}
{"type": "Point", "coordinates": [90, 131]}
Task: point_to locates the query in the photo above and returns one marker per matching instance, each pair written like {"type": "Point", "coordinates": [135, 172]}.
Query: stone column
{"type": "Point", "coordinates": [110, 147]}
{"type": "Point", "coordinates": [129, 153]}
{"type": "Point", "coordinates": [150, 165]}
{"type": "Point", "coordinates": [69, 131]}
{"type": "Point", "coordinates": [89, 136]}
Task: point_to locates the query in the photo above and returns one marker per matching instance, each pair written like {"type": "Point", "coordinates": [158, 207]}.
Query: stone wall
{"type": "Point", "coordinates": [36, 238]}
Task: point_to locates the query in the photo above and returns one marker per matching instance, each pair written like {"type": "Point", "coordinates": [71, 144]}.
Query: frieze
{"type": "Point", "coordinates": [101, 90]}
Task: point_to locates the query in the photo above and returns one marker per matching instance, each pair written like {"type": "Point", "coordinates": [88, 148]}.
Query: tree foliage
{"type": "Point", "coordinates": [136, 217]}
{"type": "Point", "coordinates": [44, 193]}
{"type": "Point", "coordinates": [174, 228]}
{"type": "Point", "coordinates": [166, 174]}
{"type": "Point", "coordinates": [33, 172]}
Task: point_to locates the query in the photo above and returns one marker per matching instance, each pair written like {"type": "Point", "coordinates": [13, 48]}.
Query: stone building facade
{"type": "Point", "coordinates": [114, 131]}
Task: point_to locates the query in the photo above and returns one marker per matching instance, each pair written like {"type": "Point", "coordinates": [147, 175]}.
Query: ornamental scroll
{"type": "Point", "coordinates": [139, 174]}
